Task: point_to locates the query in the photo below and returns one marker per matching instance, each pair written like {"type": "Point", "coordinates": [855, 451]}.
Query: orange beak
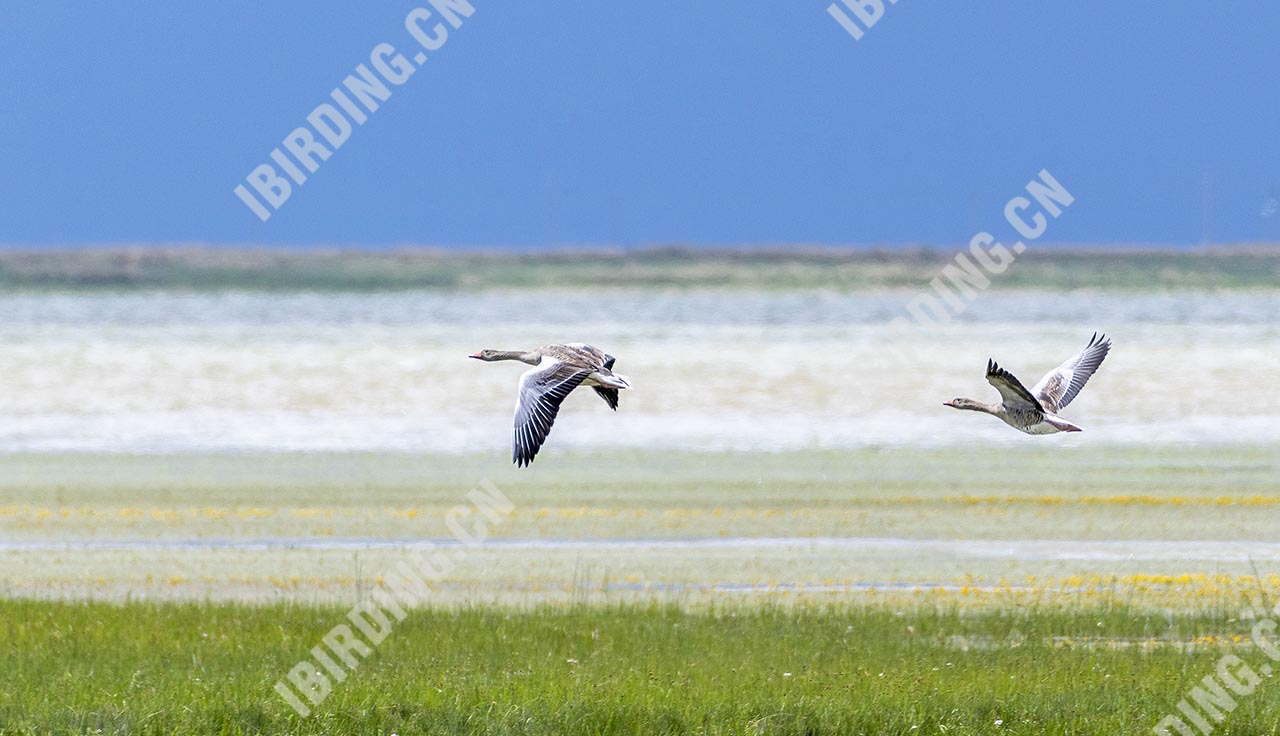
{"type": "Point", "coordinates": [474, 355]}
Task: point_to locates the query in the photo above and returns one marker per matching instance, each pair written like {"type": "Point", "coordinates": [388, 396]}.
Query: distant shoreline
{"type": "Point", "coordinates": [1061, 267]}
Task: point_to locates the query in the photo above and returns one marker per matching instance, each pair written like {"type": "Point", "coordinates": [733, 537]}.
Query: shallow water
{"type": "Point", "coordinates": [179, 372]}
{"type": "Point", "coordinates": [1026, 550]}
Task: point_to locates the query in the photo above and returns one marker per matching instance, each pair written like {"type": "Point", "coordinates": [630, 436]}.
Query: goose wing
{"type": "Point", "coordinates": [1060, 385]}
{"type": "Point", "coordinates": [588, 356]}
{"type": "Point", "coordinates": [590, 353]}
{"type": "Point", "coordinates": [542, 389]}
{"type": "Point", "coordinates": [1014, 394]}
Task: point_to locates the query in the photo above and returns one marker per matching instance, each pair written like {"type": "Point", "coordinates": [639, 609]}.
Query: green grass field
{"type": "Point", "coordinates": [539, 642]}
{"type": "Point", "coordinates": [145, 668]}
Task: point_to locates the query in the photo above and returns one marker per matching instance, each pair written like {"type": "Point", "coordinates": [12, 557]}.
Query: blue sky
{"type": "Point", "coordinates": [707, 123]}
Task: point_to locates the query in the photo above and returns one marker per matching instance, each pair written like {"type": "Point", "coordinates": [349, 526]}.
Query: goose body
{"type": "Point", "coordinates": [557, 370]}
{"type": "Point", "coordinates": [1035, 411]}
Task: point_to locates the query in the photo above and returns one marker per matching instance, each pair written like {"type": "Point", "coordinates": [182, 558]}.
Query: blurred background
{"type": "Point", "coordinates": [738, 200]}
{"type": "Point", "coordinates": [741, 369]}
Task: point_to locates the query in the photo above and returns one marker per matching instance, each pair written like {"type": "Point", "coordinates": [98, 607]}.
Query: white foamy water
{"type": "Point", "coordinates": [172, 372]}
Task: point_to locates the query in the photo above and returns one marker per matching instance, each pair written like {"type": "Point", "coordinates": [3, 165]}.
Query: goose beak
{"type": "Point", "coordinates": [474, 355]}
{"type": "Point", "coordinates": [948, 403]}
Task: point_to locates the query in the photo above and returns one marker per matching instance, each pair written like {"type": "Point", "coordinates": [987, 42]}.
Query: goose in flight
{"type": "Point", "coordinates": [557, 370]}
{"type": "Point", "coordinates": [1036, 411]}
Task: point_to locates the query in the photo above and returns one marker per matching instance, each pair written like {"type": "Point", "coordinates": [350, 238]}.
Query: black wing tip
{"type": "Point", "coordinates": [998, 372]}
{"type": "Point", "coordinates": [610, 396]}
{"type": "Point", "coordinates": [523, 456]}
{"type": "Point", "coordinates": [1101, 345]}
{"type": "Point", "coordinates": [995, 371]}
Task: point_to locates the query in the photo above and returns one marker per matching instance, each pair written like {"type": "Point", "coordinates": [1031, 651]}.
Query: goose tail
{"type": "Point", "coordinates": [613, 380]}
{"type": "Point", "coordinates": [1061, 424]}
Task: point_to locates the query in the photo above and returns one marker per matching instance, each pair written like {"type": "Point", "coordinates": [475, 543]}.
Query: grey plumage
{"type": "Point", "coordinates": [557, 371]}
{"type": "Point", "coordinates": [1035, 411]}
{"type": "Point", "coordinates": [1060, 385]}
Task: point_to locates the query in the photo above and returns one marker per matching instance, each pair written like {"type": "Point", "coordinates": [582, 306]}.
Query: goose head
{"type": "Point", "coordinates": [492, 355]}
{"type": "Point", "coordinates": [969, 404]}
